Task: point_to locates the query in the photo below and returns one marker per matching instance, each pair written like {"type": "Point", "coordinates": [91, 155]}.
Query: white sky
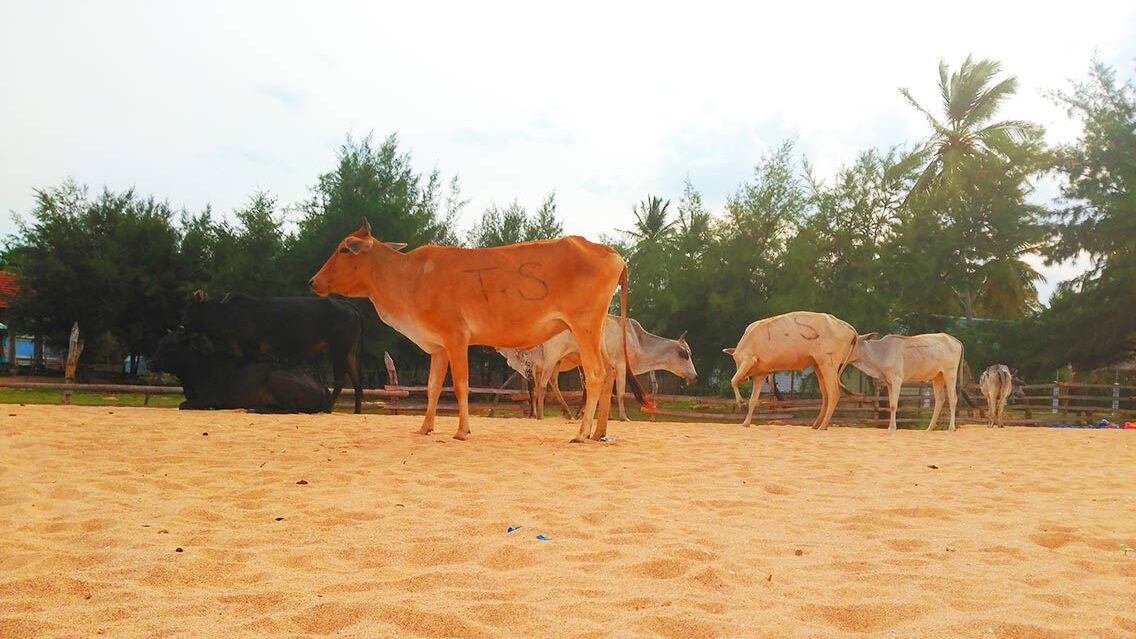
{"type": "Point", "coordinates": [202, 103]}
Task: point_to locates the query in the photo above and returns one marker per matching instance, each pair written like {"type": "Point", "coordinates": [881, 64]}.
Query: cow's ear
{"type": "Point", "coordinates": [358, 245]}
{"type": "Point", "coordinates": [199, 295]}
{"type": "Point", "coordinates": [397, 246]}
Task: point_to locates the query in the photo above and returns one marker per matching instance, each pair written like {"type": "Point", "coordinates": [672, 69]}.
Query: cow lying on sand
{"type": "Point", "coordinates": [646, 352]}
{"type": "Point", "coordinates": [216, 380]}
{"type": "Point", "coordinates": [998, 384]}
{"type": "Point", "coordinates": [790, 342]}
{"type": "Point", "coordinates": [291, 328]}
{"type": "Point", "coordinates": [894, 359]}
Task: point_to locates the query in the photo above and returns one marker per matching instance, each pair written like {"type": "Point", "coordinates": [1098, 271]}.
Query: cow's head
{"type": "Point", "coordinates": [192, 315]}
{"type": "Point", "coordinates": [687, 362]}
{"type": "Point", "coordinates": [350, 268]}
{"type": "Point", "coordinates": [1016, 384]}
{"type": "Point", "coordinates": [855, 355]}
{"type": "Point", "coordinates": [176, 351]}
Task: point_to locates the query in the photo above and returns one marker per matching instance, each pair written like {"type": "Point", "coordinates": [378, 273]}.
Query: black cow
{"type": "Point", "coordinates": [287, 327]}
{"type": "Point", "coordinates": [222, 380]}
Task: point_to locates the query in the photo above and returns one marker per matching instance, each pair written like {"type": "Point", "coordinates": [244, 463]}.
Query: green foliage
{"type": "Point", "coordinates": [968, 205]}
{"type": "Point", "coordinates": [512, 224]}
{"type": "Point", "coordinates": [1090, 321]}
{"type": "Point", "coordinates": [250, 257]}
{"type": "Point", "coordinates": [900, 240]}
{"type": "Point", "coordinates": [110, 263]}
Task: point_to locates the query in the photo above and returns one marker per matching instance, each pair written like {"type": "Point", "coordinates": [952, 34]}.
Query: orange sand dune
{"type": "Point", "coordinates": [674, 530]}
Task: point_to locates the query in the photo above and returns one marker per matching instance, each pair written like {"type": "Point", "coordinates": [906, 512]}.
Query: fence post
{"type": "Point", "coordinates": [1056, 397]}
{"type": "Point", "coordinates": [74, 349]}
{"type": "Point", "coordinates": [1115, 398]}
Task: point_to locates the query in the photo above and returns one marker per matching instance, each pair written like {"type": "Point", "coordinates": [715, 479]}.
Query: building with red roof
{"type": "Point", "coordinates": [8, 287]}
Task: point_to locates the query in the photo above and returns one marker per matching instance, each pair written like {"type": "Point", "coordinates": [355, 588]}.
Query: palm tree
{"type": "Point", "coordinates": [970, 99]}
{"type": "Point", "coordinates": [651, 220]}
{"type": "Point", "coordinates": [1009, 287]}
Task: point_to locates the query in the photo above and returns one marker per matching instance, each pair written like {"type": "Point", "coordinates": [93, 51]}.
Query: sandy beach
{"type": "Point", "coordinates": [147, 522]}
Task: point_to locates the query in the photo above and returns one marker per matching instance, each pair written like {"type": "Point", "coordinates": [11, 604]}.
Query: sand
{"type": "Point", "coordinates": [135, 523]}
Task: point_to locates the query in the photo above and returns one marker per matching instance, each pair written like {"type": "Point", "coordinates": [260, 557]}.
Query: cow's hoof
{"type": "Point", "coordinates": [424, 431]}
{"type": "Point", "coordinates": [746, 424]}
{"type": "Point", "coordinates": [461, 436]}
{"type": "Point", "coordinates": [577, 440]}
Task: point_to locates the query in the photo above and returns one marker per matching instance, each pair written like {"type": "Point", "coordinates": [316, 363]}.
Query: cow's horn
{"type": "Point", "coordinates": [682, 337]}
{"type": "Point", "coordinates": [366, 225]}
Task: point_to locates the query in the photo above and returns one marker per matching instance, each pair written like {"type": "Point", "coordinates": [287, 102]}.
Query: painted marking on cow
{"type": "Point", "coordinates": [802, 324]}
{"type": "Point", "coordinates": [521, 270]}
{"type": "Point", "coordinates": [481, 278]}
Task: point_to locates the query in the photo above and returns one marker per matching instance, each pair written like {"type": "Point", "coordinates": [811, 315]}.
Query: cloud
{"type": "Point", "coordinates": [285, 97]}
{"type": "Point", "coordinates": [603, 102]}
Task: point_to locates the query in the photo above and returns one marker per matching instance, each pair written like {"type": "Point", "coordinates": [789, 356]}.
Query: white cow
{"type": "Point", "coordinates": [646, 351]}
{"type": "Point", "coordinates": [894, 359]}
{"type": "Point", "coordinates": [789, 342]}
{"type": "Point", "coordinates": [997, 384]}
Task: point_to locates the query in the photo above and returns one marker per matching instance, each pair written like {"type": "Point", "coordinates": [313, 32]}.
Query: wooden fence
{"type": "Point", "coordinates": [1060, 403]}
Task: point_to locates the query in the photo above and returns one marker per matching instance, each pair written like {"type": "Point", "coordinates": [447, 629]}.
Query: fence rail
{"type": "Point", "coordinates": [1042, 403]}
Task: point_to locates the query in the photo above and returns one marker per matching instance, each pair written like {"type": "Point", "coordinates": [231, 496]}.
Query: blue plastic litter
{"type": "Point", "coordinates": [513, 529]}
{"type": "Point", "coordinates": [543, 538]}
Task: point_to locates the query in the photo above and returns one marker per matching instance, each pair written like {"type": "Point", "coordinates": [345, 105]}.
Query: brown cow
{"type": "Point", "coordinates": [446, 298]}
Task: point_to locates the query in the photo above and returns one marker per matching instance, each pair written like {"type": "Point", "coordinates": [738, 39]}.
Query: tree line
{"type": "Point", "coordinates": [930, 236]}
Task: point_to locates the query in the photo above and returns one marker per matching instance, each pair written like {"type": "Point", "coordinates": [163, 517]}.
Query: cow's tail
{"type": "Point", "coordinates": [844, 364]}
{"type": "Point", "coordinates": [959, 385]}
{"type": "Point", "coordinates": [636, 387]}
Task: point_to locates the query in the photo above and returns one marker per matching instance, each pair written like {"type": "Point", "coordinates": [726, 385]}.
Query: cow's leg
{"type": "Point", "coordinates": [991, 410]}
{"type": "Point", "coordinates": [893, 386]}
{"type": "Point", "coordinates": [754, 397]}
{"type": "Point", "coordinates": [559, 397]}
{"type": "Point", "coordinates": [937, 386]}
{"type": "Point", "coordinates": [740, 376]}
{"type": "Point", "coordinates": [438, 363]}
{"type": "Point", "coordinates": [537, 395]}
{"type": "Point", "coordinates": [604, 410]}
{"type": "Point", "coordinates": [823, 395]}
{"type": "Point", "coordinates": [541, 394]}
{"type": "Point", "coordinates": [620, 390]}
{"type": "Point", "coordinates": [338, 371]}
{"type": "Point", "coordinates": [356, 379]}
{"type": "Point", "coordinates": [459, 370]}
{"type": "Point", "coordinates": [952, 396]}
{"type": "Point", "coordinates": [831, 383]}
{"type": "Point", "coordinates": [583, 395]}
{"type": "Point", "coordinates": [547, 376]}
{"type": "Point", "coordinates": [589, 336]}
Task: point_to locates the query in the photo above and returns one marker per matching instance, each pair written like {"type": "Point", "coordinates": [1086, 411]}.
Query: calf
{"type": "Point", "coordinates": [212, 380]}
{"type": "Point", "coordinates": [288, 327]}
{"type": "Point", "coordinates": [894, 359]}
{"type": "Point", "coordinates": [997, 384]}
{"type": "Point", "coordinates": [644, 352]}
